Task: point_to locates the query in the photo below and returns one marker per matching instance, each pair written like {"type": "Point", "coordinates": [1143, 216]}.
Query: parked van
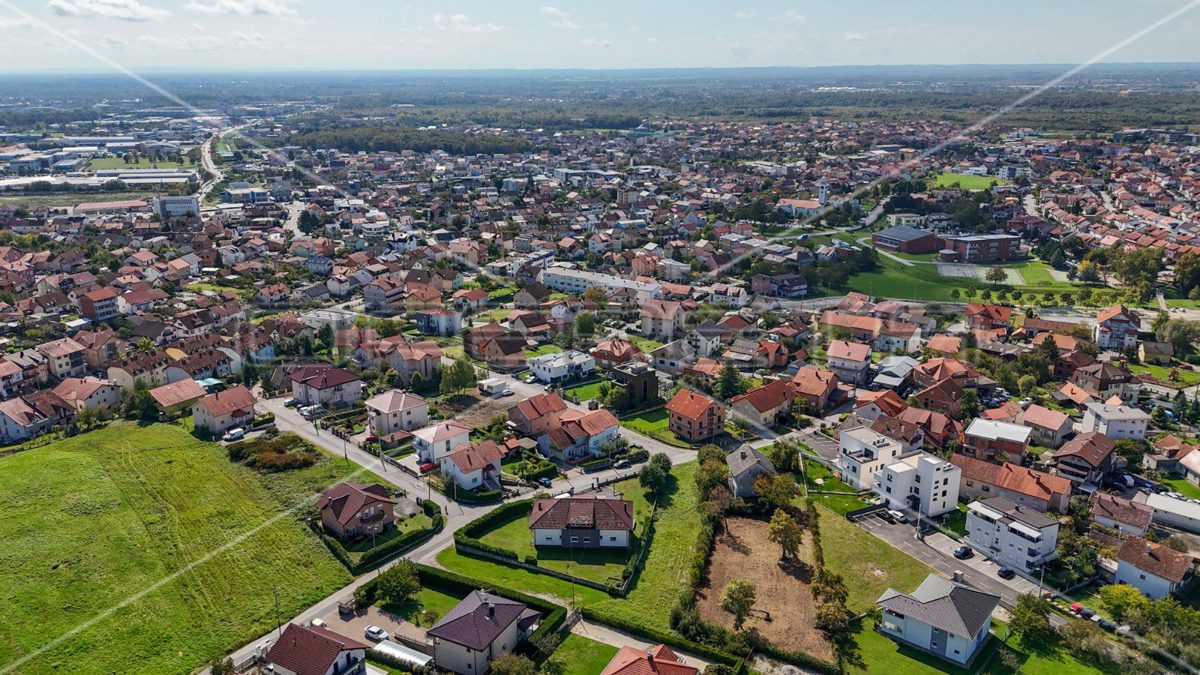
{"type": "Point", "coordinates": [234, 435]}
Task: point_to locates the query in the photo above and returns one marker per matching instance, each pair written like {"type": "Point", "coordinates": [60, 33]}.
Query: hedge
{"type": "Point", "coordinates": [455, 584]}
{"type": "Point", "coordinates": [469, 534]}
{"type": "Point", "coordinates": [658, 635]}
{"type": "Point", "coordinates": [471, 496]}
{"type": "Point", "coordinates": [371, 559]}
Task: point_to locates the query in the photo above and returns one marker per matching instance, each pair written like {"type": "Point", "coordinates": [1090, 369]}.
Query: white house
{"type": "Point", "coordinates": [325, 385]}
{"type": "Point", "coordinates": [474, 467]}
{"type": "Point", "coordinates": [1115, 421]}
{"type": "Point", "coordinates": [1118, 513]}
{"type": "Point", "coordinates": [1153, 569]}
{"type": "Point", "coordinates": [478, 630]}
{"type": "Point", "coordinates": [562, 366]}
{"type": "Point", "coordinates": [434, 442]}
{"type": "Point", "coordinates": [943, 618]}
{"type": "Point", "coordinates": [920, 481]}
{"type": "Point", "coordinates": [396, 410]}
{"type": "Point", "coordinates": [862, 454]}
{"type": "Point", "coordinates": [224, 410]}
{"type": "Point", "coordinates": [582, 522]}
{"type": "Point", "coordinates": [849, 360]}
{"type": "Point", "coordinates": [1012, 535]}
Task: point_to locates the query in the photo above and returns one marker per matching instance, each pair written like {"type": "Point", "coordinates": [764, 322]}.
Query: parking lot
{"type": "Point", "coordinates": [353, 626]}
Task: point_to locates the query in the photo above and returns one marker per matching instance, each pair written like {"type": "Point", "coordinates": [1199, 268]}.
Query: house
{"type": "Point", "coordinates": [637, 381]}
{"type": "Point", "coordinates": [177, 396]}
{"type": "Point", "coordinates": [673, 357]}
{"type": "Point", "coordinates": [944, 397]}
{"type": "Point", "coordinates": [940, 617]}
{"type": "Point", "coordinates": [434, 442]}
{"type": "Point", "coordinates": [478, 630]}
{"type": "Point", "coordinates": [657, 660]}
{"type": "Point", "coordinates": [582, 522]}
{"type": "Point", "coordinates": [1105, 380]}
{"type": "Point", "coordinates": [922, 482]}
{"type": "Point", "coordinates": [911, 437]}
{"type": "Point", "coordinates": [326, 385]}
{"type": "Point", "coordinates": [695, 417]}
{"type": "Point", "coordinates": [313, 650]}
{"type": "Point", "coordinates": [1117, 513]}
{"type": "Point", "coordinates": [224, 410]}
{"type": "Point", "coordinates": [1036, 489]}
{"type": "Point", "coordinates": [537, 414]}
{"type": "Point", "coordinates": [438, 321]}
{"type": "Point", "coordinates": [1160, 353]}
{"type": "Point", "coordinates": [579, 436]}
{"type": "Point", "coordinates": [1115, 421]}
{"type": "Point", "coordinates": [614, 351]}
{"type": "Point", "coordinates": [88, 392]}
{"type": "Point", "coordinates": [353, 510]}
{"type": "Point", "coordinates": [849, 360]}
{"type": "Point", "coordinates": [816, 387]}
{"type": "Point", "coordinates": [25, 417]}
{"type": "Point", "coordinates": [894, 372]}
{"type": "Point", "coordinates": [1012, 535]}
{"type": "Point", "coordinates": [469, 299]}
{"type": "Point", "coordinates": [1085, 459]}
{"type": "Point", "coordinates": [562, 366]}
{"type": "Point", "coordinates": [1116, 328]}
{"type": "Point", "coordinates": [505, 351]}
{"type": "Point", "coordinates": [764, 406]}
{"type": "Point", "coordinates": [872, 404]}
{"type": "Point", "coordinates": [663, 319]}
{"type": "Point", "coordinates": [987, 317]}
{"type": "Point", "coordinates": [396, 410]}
{"type": "Point", "coordinates": [1168, 452]}
{"type": "Point", "coordinates": [474, 466]}
{"type": "Point", "coordinates": [99, 305]}
{"type": "Point", "coordinates": [862, 453]}
{"type": "Point", "coordinates": [1049, 427]}
{"type": "Point", "coordinates": [985, 439]}
{"type": "Point", "coordinates": [746, 465]}
{"type": "Point", "coordinates": [64, 357]}
{"type": "Point", "coordinates": [1153, 569]}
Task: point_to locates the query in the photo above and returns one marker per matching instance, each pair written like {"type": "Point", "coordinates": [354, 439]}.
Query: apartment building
{"type": "Point", "coordinates": [1010, 534]}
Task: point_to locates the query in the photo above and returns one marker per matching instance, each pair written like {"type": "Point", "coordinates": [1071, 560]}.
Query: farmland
{"type": "Point", "coordinates": [185, 545]}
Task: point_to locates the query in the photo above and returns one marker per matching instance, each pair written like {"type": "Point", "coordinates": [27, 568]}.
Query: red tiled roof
{"type": "Point", "coordinates": [582, 512]}
{"type": "Point", "coordinates": [1155, 558]}
{"type": "Point", "coordinates": [689, 404]}
{"type": "Point", "coordinates": [310, 650]}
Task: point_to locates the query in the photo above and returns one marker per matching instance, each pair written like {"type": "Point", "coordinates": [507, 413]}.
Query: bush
{"type": "Point", "coordinates": [531, 560]}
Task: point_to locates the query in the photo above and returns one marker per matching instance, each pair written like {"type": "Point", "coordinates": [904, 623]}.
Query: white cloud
{"type": "Point", "coordinates": [14, 22]}
{"type": "Point", "coordinates": [125, 10]}
{"type": "Point", "coordinates": [595, 42]}
{"type": "Point", "coordinates": [745, 15]}
{"type": "Point", "coordinates": [461, 23]}
{"type": "Point", "coordinates": [558, 18]}
{"type": "Point", "coordinates": [243, 7]}
{"type": "Point", "coordinates": [795, 17]}
{"type": "Point", "coordinates": [855, 37]}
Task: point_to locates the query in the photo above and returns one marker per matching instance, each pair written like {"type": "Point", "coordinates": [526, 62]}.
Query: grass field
{"type": "Point", "coordinates": [585, 392]}
{"type": "Point", "coordinates": [1187, 378]}
{"type": "Point", "coordinates": [542, 350]}
{"type": "Point", "coordinates": [869, 564]}
{"type": "Point", "coordinates": [595, 565]}
{"type": "Point", "coordinates": [494, 314]}
{"type": "Point", "coordinates": [654, 423]}
{"type": "Point", "coordinates": [92, 521]}
{"type": "Point", "coordinates": [578, 655]}
{"type": "Point", "coordinates": [1184, 487]}
{"type": "Point", "coordinates": [101, 163]}
{"type": "Point", "coordinates": [965, 181]}
{"type": "Point", "coordinates": [60, 199]}
{"type": "Point", "coordinates": [659, 585]}
{"type": "Point", "coordinates": [426, 608]}
{"type": "Point", "coordinates": [923, 282]}
{"type": "Point", "coordinates": [643, 343]}
{"type": "Point", "coordinates": [840, 504]}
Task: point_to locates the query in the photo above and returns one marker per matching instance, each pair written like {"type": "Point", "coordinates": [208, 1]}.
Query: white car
{"type": "Point", "coordinates": [234, 435]}
{"type": "Point", "coordinates": [375, 633]}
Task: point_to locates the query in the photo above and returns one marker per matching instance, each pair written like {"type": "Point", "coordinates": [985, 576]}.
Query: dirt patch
{"type": "Point", "coordinates": [476, 411]}
{"type": "Point", "coordinates": [743, 551]}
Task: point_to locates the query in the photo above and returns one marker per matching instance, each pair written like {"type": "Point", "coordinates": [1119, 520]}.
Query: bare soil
{"type": "Point", "coordinates": [784, 612]}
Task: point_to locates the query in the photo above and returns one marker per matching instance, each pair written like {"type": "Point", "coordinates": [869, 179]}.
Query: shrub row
{"type": "Point", "coordinates": [454, 584]}
{"type": "Point", "coordinates": [469, 535]}
{"type": "Point", "coordinates": [372, 558]}
{"type": "Point", "coordinates": [471, 496]}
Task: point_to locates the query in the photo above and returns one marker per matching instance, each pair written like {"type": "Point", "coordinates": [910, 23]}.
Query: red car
{"type": "Point", "coordinates": [426, 467]}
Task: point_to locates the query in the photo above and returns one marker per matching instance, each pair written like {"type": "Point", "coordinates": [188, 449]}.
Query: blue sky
{"type": "Point", "coordinates": [37, 35]}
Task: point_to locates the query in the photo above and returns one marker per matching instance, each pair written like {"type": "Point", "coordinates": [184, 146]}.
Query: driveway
{"type": "Point", "coordinates": [618, 638]}
{"type": "Point", "coordinates": [354, 626]}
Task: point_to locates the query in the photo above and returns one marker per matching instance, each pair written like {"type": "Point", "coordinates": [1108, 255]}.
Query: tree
{"type": "Point", "coordinates": [86, 418]}
{"type": "Point", "coordinates": [738, 599]}
{"type": "Point", "coordinates": [597, 295]}
{"type": "Point", "coordinates": [729, 381]}
{"type": "Point", "coordinates": [776, 490]}
{"type": "Point", "coordinates": [656, 475]}
{"type": "Point", "coordinates": [710, 474]}
{"type": "Point", "coordinates": [785, 457]}
{"type": "Point", "coordinates": [1122, 599]}
{"type": "Point", "coordinates": [397, 584]}
{"type": "Point", "coordinates": [1182, 334]}
{"type": "Point", "coordinates": [1027, 383]}
{"type": "Point", "coordinates": [222, 666]}
{"type": "Point", "coordinates": [1031, 617]}
{"type": "Point", "coordinates": [785, 531]}
{"type": "Point", "coordinates": [1176, 542]}
{"type": "Point", "coordinates": [585, 323]}
{"type": "Point", "coordinates": [513, 664]}
{"type": "Point", "coordinates": [996, 275]}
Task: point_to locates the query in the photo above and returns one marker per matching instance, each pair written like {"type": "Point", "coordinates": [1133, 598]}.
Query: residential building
{"type": "Point", "coordinates": [177, 396]}
{"type": "Point", "coordinates": [326, 385]}
{"type": "Point", "coordinates": [354, 510]}
{"type": "Point", "coordinates": [977, 248]}
{"type": "Point", "coordinates": [746, 465]}
{"type": "Point", "coordinates": [638, 383]}
{"type": "Point", "coordinates": [862, 454]}
{"type": "Point", "coordinates": [948, 620]}
{"type": "Point", "coordinates": [478, 630]}
{"type": "Point", "coordinates": [850, 361]}
{"type": "Point", "coordinates": [64, 358]}
{"type": "Point", "coordinates": [562, 366]}
{"type": "Point", "coordinates": [582, 522]}
{"type": "Point", "coordinates": [89, 392]}
{"type": "Point", "coordinates": [537, 414]}
{"type": "Point", "coordinates": [614, 351]}
{"type": "Point", "coordinates": [313, 650]}
{"type": "Point", "coordinates": [694, 417]}
{"type": "Point", "coordinates": [1036, 489]}
{"type": "Point", "coordinates": [1105, 380]}
{"type": "Point", "coordinates": [579, 436]}
{"type": "Point", "coordinates": [656, 660]}
{"type": "Point", "coordinates": [920, 481]}
{"type": "Point", "coordinates": [437, 321]}
{"type": "Point", "coordinates": [1049, 427]}
{"type": "Point", "coordinates": [1115, 421]}
{"type": "Point", "coordinates": [1153, 569]}
{"type": "Point", "coordinates": [99, 305]}
{"type": "Point", "coordinates": [474, 467]}
{"type": "Point", "coordinates": [1117, 513]}
{"type": "Point", "coordinates": [1116, 328]}
{"type": "Point", "coordinates": [224, 410]}
{"type": "Point", "coordinates": [764, 406]}
{"type": "Point", "coordinates": [663, 319]}
{"type": "Point", "coordinates": [396, 410]}
{"type": "Point", "coordinates": [434, 442]}
{"type": "Point", "coordinates": [1012, 535]}
{"type": "Point", "coordinates": [985, 439]}
{"type": "Point", "coordinates": [30, 415]}
{"type": "Point", "coordinates": [1085, 459]}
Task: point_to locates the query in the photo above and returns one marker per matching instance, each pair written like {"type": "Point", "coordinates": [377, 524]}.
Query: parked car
{"type": "Point", "coordinates": [545, 482]}
{"type": "Point", "coordinates": [236, 434]}
{"type": "Point", "coordinates": [1005, 573]}
{"type": "Point", "coordinates": [291, 403]}
{"type": "Point", "coordinates": [621, 464]}
{"type": "Point", "coordinates": [375, 633]}
{"type": "Point", "coordinates": [506, 392]}
{"type": "Point", "coordinates": [963, 552]}
{"type": "Point", "coordinates": [426, 467]}
{"type": "Point", "coordinates": [897, 516]}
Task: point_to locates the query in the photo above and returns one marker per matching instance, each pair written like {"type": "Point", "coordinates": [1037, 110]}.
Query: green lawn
{"type": "Point", "coordinates": [965, 181]}
{"type": "Point", "coordinates": [494, 314]}
{"type": "Point", "coordinates": [660, 583]}
{"type": "Point", "coordinates": [956, 521]}
{"type": "Point", "coordinates": [425, 610]}
{"type": "Point", "coordinates": [142, 162]}
{"type": "Point", "coordinates": [1184, 487]}
{"type": "Point", "coordinates": [578, 655]}
{"type": "Point", "coordinates": [654, 423]}
{"type": "Point", "coordinates": [585, 392]}
{"type": "Point", "coordinates": [1187, 378]}
{"type": "Point", "coordinates": [600, 566]}
{"type": "Point", "coordinates": [643, 343]}
{"type": "Point", "coordinates": [550, 348]}
{"type": "Point", "coordinates": [923, 282]}
{"type": "Point", "coordinates": [869, 564]}
{"type": "Point", "coordinates": [93, 521]}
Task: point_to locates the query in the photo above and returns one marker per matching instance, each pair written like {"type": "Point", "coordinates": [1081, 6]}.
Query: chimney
{"type": "Point", "coordinates": [1147, 547]}
{"type": "Point", "coordinates": [491, 609]}
{"type": "Point", "coordinates": [958, 576]}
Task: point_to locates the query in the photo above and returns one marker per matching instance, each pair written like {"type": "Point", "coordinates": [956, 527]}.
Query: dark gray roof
{"type": "Point", "coordinates": [903, 233]}
{"type": "Point", "coordinates": [744, 458]}
{"type": "Point", "coordinates": [479, 619]}
{"type": "Point", "coordinates": [943, 604]}
{"type": "Point", "coordinates": [1016, 512]}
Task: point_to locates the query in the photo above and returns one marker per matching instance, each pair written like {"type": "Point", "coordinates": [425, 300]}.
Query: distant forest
{"type": "Point", "coordinates": [375, 138]}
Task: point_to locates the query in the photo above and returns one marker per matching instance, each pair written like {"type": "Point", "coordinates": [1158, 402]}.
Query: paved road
{"type": "Point", "coordinates": [206, 160]}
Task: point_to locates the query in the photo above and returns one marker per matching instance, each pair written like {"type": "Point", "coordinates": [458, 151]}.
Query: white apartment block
{"type": "Point", "coordinates": [920, 481]}
{"type": "Point", "coordinates": [1115, 421]}
{"type": "Point", "coordinates": [562, 366]}
{"type": "Point", "coordinates": [863, 454]}
{"type": "Point", "coordinates": [1010, 534]}
{"type": "Point", "coordinates": [569, 280]}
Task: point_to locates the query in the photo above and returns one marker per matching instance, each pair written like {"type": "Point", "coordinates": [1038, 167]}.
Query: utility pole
{"type": "Point", "coordinates": [278, 623]}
